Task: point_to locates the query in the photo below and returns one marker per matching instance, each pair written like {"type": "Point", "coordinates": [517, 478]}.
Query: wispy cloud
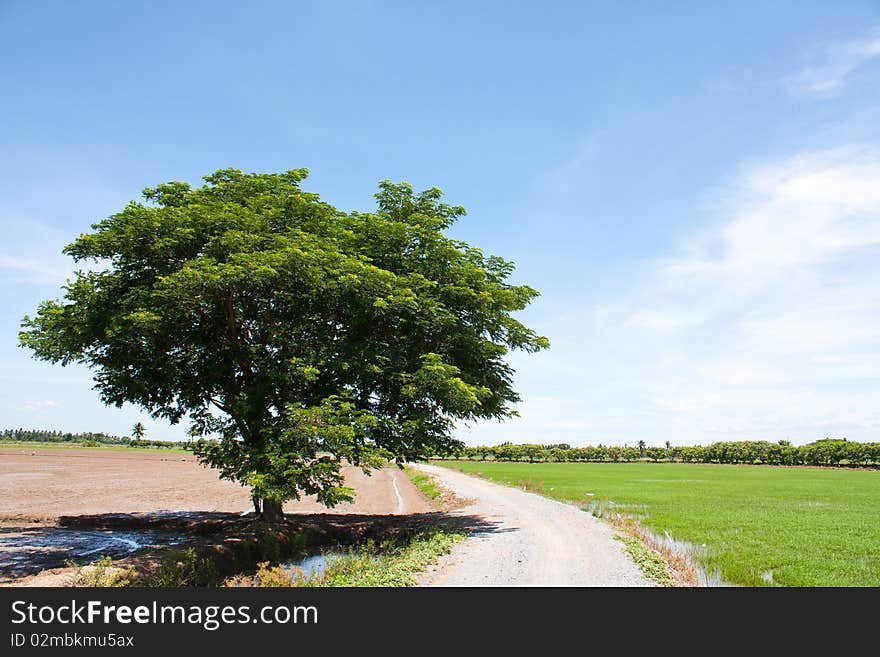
{"type": "Point", "coordinates": [786, 217]}
{"type": "Point", "coordinates": [47, 270]}
{"type": "Point", "coordinates": [31, 249]}
{"type": "Point", "coordinates": [38, 405]}
{"type": "Point", "coordinates": [787, 286]}
{"type": "Point", "coordinates": [837, 63]}
{"type": "Point", "coordinates": [665, 319]}
{"type": "Point", "coordinates": [571, 172]}
{"type": "Point", "coordinates": [763, 325]}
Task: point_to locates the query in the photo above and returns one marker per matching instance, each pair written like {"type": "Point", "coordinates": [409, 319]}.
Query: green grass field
{"type": "Point", "coordinates": [805, 526]}
{"type": "Point", "coordinates": [424, 483]}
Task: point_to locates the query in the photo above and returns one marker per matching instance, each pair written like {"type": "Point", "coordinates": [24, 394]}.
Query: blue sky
{"type": "Point", "coordinates": [695, 191]}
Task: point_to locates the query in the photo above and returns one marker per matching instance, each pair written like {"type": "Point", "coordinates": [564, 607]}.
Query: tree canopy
{"type": "Point", "coordinates": [294, 335]}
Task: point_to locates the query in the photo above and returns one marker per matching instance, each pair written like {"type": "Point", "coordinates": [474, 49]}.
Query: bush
{"type": "Point", "coordinates": [103, 573]}
{"type": "Point", "coordinates": [268, 576]}
{"type": "Point", "coordinates": [183, 568]}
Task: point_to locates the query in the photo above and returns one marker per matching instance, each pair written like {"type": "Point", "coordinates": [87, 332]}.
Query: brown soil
{"type": "Point", "coordinates": [58, 504]}
{"type": "Point", "coordinates": [48, 483]}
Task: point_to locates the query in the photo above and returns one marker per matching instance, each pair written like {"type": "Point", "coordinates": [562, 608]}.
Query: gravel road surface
{"type": "Point", "coordinates": [533, 541]}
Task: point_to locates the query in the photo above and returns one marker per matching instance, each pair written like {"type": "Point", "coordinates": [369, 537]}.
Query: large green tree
{"type": "Point", "coordinates": [294, 336]}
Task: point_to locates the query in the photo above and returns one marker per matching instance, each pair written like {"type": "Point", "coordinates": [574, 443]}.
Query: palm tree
{"type": "Point", "coordinates": [138, 431]}
{"type": "Point", "coordinates": [641, 448]}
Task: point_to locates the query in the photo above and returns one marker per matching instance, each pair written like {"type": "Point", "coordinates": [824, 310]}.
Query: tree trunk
{"type": "Point", "coordinates": [256, 501]}
{"type": "Point", "coordinates": [272, 511]}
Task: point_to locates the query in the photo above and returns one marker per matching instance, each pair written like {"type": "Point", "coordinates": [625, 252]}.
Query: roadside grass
{"type": "Point", "coordinates": [424, 483]}
{"type": "Point", "coordinates": [99, 447]}
{"type": "Point", "coordinates": [389, 564]}
{"type": "Point", "coordinates": [651, 564]}
{"type": "Point", "coordinates": [747, 525]}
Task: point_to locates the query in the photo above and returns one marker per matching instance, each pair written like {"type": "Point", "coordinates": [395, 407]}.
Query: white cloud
{"type": "Point", "coordinates": [36, 269]}
{"type": "Point", "coordinates": [827, 77]}
{"type": "Point", "coordinates": [668, 319]}
{"type": "Point", "coordinates": [765, 325]}
{"type": "Point", "coordinates": [39, 405]}
{"type": "Point", "coordinates": [788, 285]}
{"type": "Point", "coordinates": [788, 217]}
{"type": "Point", "coordinates": [32, 250]}
{"type": "Point", "coordinates": [570, 173]}
{"type": "Point", "coordinates": [541, 417]}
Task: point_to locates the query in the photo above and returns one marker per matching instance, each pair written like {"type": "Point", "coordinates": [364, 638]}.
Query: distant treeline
{"type": "Point", "coordinates": [831, 452]}
{"type": "Point", "coordinates": [88, 438]}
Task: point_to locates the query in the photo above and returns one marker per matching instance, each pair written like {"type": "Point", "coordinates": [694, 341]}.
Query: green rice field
{"type": "Point", "coordinates": [761, 525]}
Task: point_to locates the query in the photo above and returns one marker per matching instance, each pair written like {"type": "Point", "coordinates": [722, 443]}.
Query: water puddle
{"type": "Point", "coordinates": [311, 566]}
{"type": "Point", "coordinates": [29, 551]}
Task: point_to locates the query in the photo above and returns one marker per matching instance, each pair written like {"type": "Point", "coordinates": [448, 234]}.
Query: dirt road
{"type": "Point", "coordinates": [534, 541]}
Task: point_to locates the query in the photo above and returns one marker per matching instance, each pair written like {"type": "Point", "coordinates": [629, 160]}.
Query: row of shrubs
{"type": "Point", "coordinates": [54, 436]}
{"type": "Point", "coordinates": [828, 452]}
{"type": "Point", "coordinates": [87, 439]}
{"type": "Point", "coordinates": [142, 442]}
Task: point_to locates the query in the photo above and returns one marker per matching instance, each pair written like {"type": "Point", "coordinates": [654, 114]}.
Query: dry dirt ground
{"type": "Point", "coordinates": [48, 483]}
{"type": "Point", "coordinates": [59, 504]}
